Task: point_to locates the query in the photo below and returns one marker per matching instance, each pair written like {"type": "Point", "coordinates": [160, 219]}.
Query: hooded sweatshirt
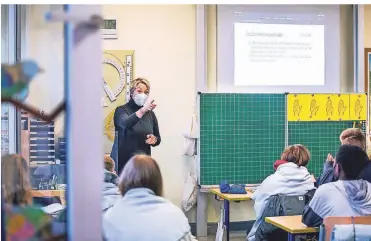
{"type": "Point", "coordinates": [143, 216]}
{"type": "Point", "coordinates": [110, 190]}
{"type": "Point", "coordinates": [340, 198]}
{"type": "Point", "coordinates": [289, 179]}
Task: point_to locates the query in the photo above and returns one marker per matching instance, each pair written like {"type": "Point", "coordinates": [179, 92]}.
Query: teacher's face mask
{"type": "Point", "coordinates": [140, 99]}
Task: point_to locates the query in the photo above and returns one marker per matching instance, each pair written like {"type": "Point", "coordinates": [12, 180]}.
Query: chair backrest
{"type": "Point", "coordinates": [329, 223]}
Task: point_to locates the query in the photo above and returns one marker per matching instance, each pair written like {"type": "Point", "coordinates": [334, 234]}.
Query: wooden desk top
{"type": "Point", "coordinates": [233, 197]}
{"type": "Point", "coordinates": [47, 193]}
{"type": "Point", "coordinates": [50, 193]}
{"type": "Point", "coordinates": [291, 224]}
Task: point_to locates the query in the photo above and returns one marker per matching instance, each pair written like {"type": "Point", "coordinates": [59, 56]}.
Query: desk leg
{"type": "Point", "coordinates": [226, 217]}
{"type": "Point", "coordinates": [291, 237]}
{"type": "Point", "coordinates": [201, 214]}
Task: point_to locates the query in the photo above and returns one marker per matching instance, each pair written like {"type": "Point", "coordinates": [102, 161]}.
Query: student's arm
{"type": "Point", "coordinates": [123, 120]}
{"type": "Point", "coordinates": [311, 218]}
{"type": "Point", "coordinates": [328, 165]}
{"type": "Point", "coordinates": [312, 214]}
{"type": "Point", "coordinates": [328, 172]}
{"type": "Point", "coordinates": [326, 177]}
{"type": "Point", "coordinates": [156, 130]}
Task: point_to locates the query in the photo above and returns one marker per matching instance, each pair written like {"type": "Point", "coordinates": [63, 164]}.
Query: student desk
{"type": "Point", "coordinates": [50, 193]}
{"type": "Point", "coordinates": [292, 225]}
{"type": "Point", "coordinates": [230, 198]}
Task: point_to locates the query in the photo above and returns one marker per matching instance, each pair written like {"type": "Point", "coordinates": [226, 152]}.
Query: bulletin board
{"type": "Point", "coordinates": [118, 72]}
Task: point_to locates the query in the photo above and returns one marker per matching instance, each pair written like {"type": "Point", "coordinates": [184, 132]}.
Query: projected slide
{"type": "Point", "coordinates": [278, 54]}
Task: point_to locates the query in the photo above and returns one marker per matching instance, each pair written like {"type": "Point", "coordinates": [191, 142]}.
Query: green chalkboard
{"type": "Point", "coordinates": [320, 137]}
{"type": "Point", "coordinates": [241, 135]}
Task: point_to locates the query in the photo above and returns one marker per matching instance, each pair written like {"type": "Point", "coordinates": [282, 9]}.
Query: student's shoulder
{"type": "Point", "coordinates": [326, 189]}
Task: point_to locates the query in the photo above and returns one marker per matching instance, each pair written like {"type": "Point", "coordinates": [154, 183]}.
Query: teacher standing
{"type": "Point", "coordinates": [136, 124]}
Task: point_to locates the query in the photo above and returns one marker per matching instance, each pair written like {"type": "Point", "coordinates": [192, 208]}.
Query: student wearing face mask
{"type": "Point", "coordinates": [135, 124]}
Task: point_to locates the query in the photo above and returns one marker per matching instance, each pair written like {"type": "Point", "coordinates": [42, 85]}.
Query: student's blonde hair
{"type": "Point", "coordinates": [15, 180]}
{"type": "Point", "coordinates": [353, 137]}
{"type": "Point", "coordinates": [141, 171]}
{"type": "Point", "coordinates": [109, 164]}
{"type": "Point", "coordinates": [297, 154]}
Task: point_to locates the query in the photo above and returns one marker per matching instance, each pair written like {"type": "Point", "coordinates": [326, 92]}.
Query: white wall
{"type": "Point", "coordinates": [367, 25]}
{"type": "Point", "coordinates": [164, 40]}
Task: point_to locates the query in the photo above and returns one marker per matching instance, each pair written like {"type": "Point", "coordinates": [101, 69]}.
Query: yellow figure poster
{"type": "Point", "coordinates": [326, 107]}
{"type": "Point", "coordinates": [306, 107]}
{"type": "Point", "coordinates": [358, 106]}
{"type": "Point", "coordinates": [118, 72]}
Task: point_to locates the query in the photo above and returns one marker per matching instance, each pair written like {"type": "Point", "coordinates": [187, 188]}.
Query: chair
{"type": "Point", "coordinates": [330, 222]}
{"type": "Point", "coordinates": [281, 205]}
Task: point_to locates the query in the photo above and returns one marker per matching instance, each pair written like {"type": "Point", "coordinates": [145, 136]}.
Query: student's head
{"type": "Point", "coordinates": [354, 137]}
{"type": "Point", "coordinates": [350, 160]}
{"type": "Point", "coordinates": [15, 180]}
{"type": "Point", "coordinates": [141, 171]}
{"type": "Point", "coordinates": [297, 154]}
{"type": "Point", "coordinates": [139, 91]}
{"type": "Point", "coordinates": [109, 164]}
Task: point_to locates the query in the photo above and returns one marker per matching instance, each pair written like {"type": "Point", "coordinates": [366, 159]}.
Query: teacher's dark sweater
{"type": "Point", "coordinates": [133, 131]}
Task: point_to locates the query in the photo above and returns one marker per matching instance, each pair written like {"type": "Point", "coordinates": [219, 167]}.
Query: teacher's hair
{"type": "Point", "coordinates": [141, 171]}
{"type": "Point", "coordinates": [137, 81]}
{"type": "Point", "coordinates": [15, 180]}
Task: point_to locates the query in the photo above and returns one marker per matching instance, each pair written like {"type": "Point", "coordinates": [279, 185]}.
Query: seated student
{"type": "Point", "coordinates": [351, 136]}
{"type": "Point", "coordinates": [18, 203]}
{"type": "Point", "coordinates": [291, 178]}
{"type": "Point", "coordinates": [142, 213]}
{"type": "Point", "coordinates": [110, 192]}
{"type": "Point", "coordinates": [349, 196]}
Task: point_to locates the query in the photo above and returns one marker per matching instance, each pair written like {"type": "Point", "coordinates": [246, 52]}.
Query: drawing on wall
{"type": "Point", "coordinates": [358, 108]}
{"type": "Point", "coordinates": [341, 108]}
{"type": "Point", "coordinates": [358, 103]}
{"type": "Point", "coordinates": [118, 72]}
{"type": "Point", "coordinates": [297, 107]}
{"type": "Point", "coordinates": [329, 107]}
{"type": "Point", "coordinates": [313, 107]}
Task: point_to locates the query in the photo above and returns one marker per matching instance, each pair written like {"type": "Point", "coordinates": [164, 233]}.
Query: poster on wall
{"type": "Point", "coordinates": [118, 72]}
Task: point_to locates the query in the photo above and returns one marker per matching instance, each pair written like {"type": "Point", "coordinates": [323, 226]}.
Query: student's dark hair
{"type": "Point", "coordinates": [354, 137]}
{"type": "Point", "coordinates": [352, 160]}
{"type": "Point", "coordinates": [141, 171]}
{"type": "Point", "coordinates": [297, 154]}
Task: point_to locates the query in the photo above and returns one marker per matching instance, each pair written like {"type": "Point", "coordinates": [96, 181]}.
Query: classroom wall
{"type": "Point", "coordinates": [367, 25]}
{"type": "Point", "coordinates": [43, 42]}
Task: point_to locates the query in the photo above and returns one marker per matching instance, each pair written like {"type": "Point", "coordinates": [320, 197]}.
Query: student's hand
{"type": "Point", "coordinates": [330, 159]}
{"type": "Point", "coordinates": [151, 139]}
{"type": "Point", "coordinates": [313, 178]}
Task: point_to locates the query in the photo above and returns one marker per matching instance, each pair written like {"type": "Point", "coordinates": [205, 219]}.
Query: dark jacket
{"type": "Point", "coordinates": [328, 173]}
{"type": "Point", "coordinates": [132, 132]}
{"type": "Point", "coordinates": [281, 205]}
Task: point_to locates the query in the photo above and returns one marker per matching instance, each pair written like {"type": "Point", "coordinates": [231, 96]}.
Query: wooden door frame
{"type": "Point", "coordinates": [367, 71]}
